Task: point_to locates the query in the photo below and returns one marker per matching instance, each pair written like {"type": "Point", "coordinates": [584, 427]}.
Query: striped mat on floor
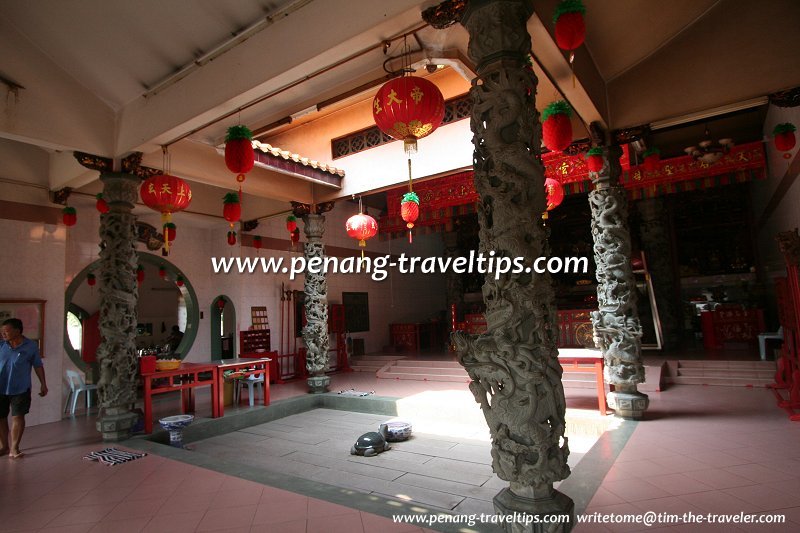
{"type": "Point", "coordinates": [113, 456]}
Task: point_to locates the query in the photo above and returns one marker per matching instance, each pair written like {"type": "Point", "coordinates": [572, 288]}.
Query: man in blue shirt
{"type": "Point", "coordinates": [18, 355]}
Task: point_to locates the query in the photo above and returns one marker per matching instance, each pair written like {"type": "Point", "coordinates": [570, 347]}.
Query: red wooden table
{"type": "Point", "coordinates": [577, 360]}
{"type": "Point", "coordinates": [250, 367]}
{"type": "Point", "coordinates": [185, 378]}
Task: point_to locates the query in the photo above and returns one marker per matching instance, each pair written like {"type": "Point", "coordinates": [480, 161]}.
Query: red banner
{"type": "Point", "coordinates": [449, 196]}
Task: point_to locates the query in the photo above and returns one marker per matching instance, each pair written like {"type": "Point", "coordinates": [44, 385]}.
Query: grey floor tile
{"type": "Point", "coordinates": [450, 487]}
{"type": "Point", "coordinates": [422, 495]}
{"type": "Point", "coordinates": [343, 465]}
{"type": "Point", "coordinates": [451, 464]}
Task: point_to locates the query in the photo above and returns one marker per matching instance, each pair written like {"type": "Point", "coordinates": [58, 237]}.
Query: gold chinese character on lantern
{"type": "Point", "coordinates": [377, 106]}
{"type": "Point", "coordinates": [151, 189]}
{"type": "Point", "coordinates": [165, 189]}
{"type": "Point", "coordinates": [392, 98]}
{"type": "Point", "coordinates": [416, 94]}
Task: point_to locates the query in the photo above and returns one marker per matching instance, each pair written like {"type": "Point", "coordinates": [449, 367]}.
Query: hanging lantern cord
{"type": "Point", "coordinates": [410, 238]}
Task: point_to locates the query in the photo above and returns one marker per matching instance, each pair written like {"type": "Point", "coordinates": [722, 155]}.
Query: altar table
{"type": "Point", "coordinates": [185, 378]}
{"type": "Point", "coordinates": [254, 367]}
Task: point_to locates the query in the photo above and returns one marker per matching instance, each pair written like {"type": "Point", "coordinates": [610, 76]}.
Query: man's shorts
{"type": "Point", "coordinates": [18, 404]}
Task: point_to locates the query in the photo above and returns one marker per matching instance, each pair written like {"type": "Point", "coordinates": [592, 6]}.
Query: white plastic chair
{"type": "Point", "coordinates": [762, 341]}
{"type": "Point", "coordinates": [251, 382]}
{"type": "Point", "coordinates": [76, 387]}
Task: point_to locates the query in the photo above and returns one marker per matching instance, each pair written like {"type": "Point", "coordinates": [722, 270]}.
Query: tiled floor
{"type": "Point", "coordinates": [702, 449]}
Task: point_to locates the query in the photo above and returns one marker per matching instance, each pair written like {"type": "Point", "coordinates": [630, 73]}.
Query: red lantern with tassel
{"type": "Point", "coordinates": [409, 210]}
{"type": "Point", "coordinates": [231, 238]}
{"type": "Point", "coordinates": [555, 193]}
{"type": "Point", "coordinates": [220, 304]}
{"type": "Point", "coordinates": [166, 194]}
{"type": "Point", "coordinates": [162, 272]}
{"type": "Point", "coordinates": [257, 243]}
{"type": "Point", "coordinates": [570, 28]}
{"type": "Point", "coordinates": [239, 154]}
{"type": "Point", "coordinates": [179, 281]}
{"type": "Point", "coordinates": [232, 207]}
{"type": "Point", "coordinates": [101, 203]}
{"type": "Point", "coordinates": [408, 108]}
{"type": "Point", "coordinates": [361, 227]}
{"type": "Point", "coordinates": [594, 159]}
{"type": "Point", "coordinates": [91, 279]}
{"type": "Point", "coordinates": [784, 138]}
{"type": "Point", "coordinates": [69, 216]}
{"type": "Point", "coordinates": [295, 237]}
{"type": "Point", "coordinates": [651, 156]}
{"type": "Point", "coordinates": [291, 223]}
{"type": "Point", "coordinates": [556, 126]}
{"type": "Point", "coordinates": [139, 274]}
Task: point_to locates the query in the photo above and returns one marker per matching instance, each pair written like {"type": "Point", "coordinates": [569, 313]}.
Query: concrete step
{"type": "Point", "coordinates": [434, 370]}
{"type": "Point", "coordinates": [366, 368]}
{"type": "Point", "coordinates": [416, 363]}
{"type": "Point", "coordinates": [724, 382]}
{"type": "Point", "coordinates": [725, 372]}
{"type": "Point", "coordinates": [737, 365]}
{"type": "Point", "coordinates": [423, 377]}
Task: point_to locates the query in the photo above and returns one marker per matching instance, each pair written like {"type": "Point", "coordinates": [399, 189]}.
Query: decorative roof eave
{"type": "Point", "coordinates": [292, 164]}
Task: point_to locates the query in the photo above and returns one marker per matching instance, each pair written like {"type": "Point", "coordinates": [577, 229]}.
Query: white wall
{"type": "Point", "coordinates": [32, 267]}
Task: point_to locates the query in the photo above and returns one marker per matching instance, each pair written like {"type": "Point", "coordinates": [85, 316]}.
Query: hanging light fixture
{"type": "Point", "coordinates": [361, 227]}
{"type": "Point", "coordinates": [708, 151]}
{"type": "Point", "coordinates": [166, 194]}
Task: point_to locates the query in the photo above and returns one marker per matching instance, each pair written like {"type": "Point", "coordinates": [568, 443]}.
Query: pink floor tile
{"type": "Point", "coordinates": [281, 511]}
{"type": "Point", "coordinates": [604, 497]}
{"type": "Point", "coordinates": [228, 518]}
{"type": "Point", "coordinates": [81, 515]}
{"type": "Point", "coordinates": [240, 497]}
{"type": "Point", "coordinates": [677, 484]}
{"type": "Point", "coordinates": [719, 479]}
{"type": "Point", "coordinates": [348, 523]}
{"type": "Point", "coordinates": [632, 490]}
{"type": "Point", "coordinates": [764, 498]}
{"type": "Point", "coordinates": [379, 524]}
{"type": "Point", "coordinates": [759, 473]}
{"type": "Point", "coordinates": [174, 523]}
{"type": "Point", "coordinates": [320, 508]}
{"type": "Point", "coordinates": [295, 526]}
{"type": "Point", "coordinates": [135, 509]}
{"type": "Point", "coordinates": [28, 521]}
{"type": "Point", "coordinates": [130, 525]}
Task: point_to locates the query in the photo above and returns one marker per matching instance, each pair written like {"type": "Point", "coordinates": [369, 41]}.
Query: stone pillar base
{"type": "Point", "coordinates": [527, 514]}
{"type": "Point", "coordinates": [116, 423]}
{"type": "Point", "coordinates": [318, 384]}
{"type": "Point", "coordinates": [628, 404]}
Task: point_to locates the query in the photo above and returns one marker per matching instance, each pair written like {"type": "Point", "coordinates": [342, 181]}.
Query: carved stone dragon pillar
{"type": "Point", "coordinates": [315, 332]}
{"type": "Point", "coordinates": [516, 377]}
{"type": "Point", "coordinates": [119, 295]}
{"type": "Point", "coordinates": [617, 330]}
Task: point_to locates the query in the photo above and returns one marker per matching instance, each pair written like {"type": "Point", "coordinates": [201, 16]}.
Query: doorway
{"type": "Point", "coordinates": [223, 328]}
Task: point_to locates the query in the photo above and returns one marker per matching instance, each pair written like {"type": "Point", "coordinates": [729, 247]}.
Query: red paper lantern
{"type": "Point", "coordinates": [166, 194]}
{"type": "Point", "coordinates": [91, 279]}
{"type": "Point", "coordinates": [555, 193]}
{"type": "Point", "coordinates": [139, 274]}
{"type": "Point", "coordinates": [594, 159]}
{"type": "Point", "coordinates": [409, 211]}
{"type": "Point", "coordinates": [239, 154]}
{"type": "Point", "coordinates": [295, 236]}
{"type": "Point", "coordinates": [69, 216]}
{"type": "Point", "coordinates": [231, 238]}
{"type": "Point", "coordinates": [408, 108]}
{"type": "Point", "coordinates": [556, 126]}
{"type": "Point", "coordinates": [101, 203]}
{"type": "Point", "coordinates": [220, 304]}
{"type": "Point", "coordinates": [291, 223]}
{"type": "Point", "coordinates": [570, 28]}
{"type": "Point", "coordinates": [257, 244]}
{"type": "Point", "coordinates": [179, 281]}
{"type": "Point", "coordinates": [232, 207]}
{"type": "Point", "coordinates": [784, 138]}
{"type": "Point", "coordinates": [162, 272]}
{"type": "Point", "coordinates": [361, 227]}
{"type": "Point", "coordinates": [652, 156]}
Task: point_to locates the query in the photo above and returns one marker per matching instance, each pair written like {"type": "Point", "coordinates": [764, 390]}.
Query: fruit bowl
{"type": "Point", "coordinates": [168, 364]}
